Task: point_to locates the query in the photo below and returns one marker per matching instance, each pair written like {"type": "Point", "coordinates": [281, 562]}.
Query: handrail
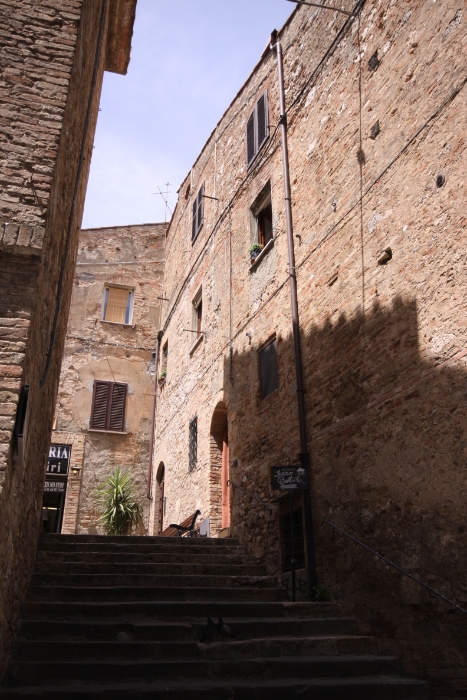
{"type": "Point", "coordinates": [268, 506]}
{"type": "Point", "coordinates": [395, 566]}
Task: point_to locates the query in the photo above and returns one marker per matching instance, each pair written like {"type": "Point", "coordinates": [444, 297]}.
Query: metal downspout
{"type": "Point", "coordinates": [304, 455]}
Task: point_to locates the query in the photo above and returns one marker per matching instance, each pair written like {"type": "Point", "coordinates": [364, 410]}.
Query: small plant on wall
{"type": "Point", "coordinates": [254, 251]}
{"type": "Point", "coordinates": [120, 510]}
{"type": "Point", "coordinates": [162, 377]}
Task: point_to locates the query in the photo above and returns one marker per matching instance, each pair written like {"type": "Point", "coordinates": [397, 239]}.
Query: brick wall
{"type": "Point", "coordinates": [96, 349]}
{"type": "Point", "coordinates": [383, 345]}
{"type": "Point", "coordinates": [49, 54]}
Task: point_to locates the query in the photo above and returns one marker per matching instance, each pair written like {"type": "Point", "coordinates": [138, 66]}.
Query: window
{"type": "Point", "coordinates": [198, 214]}
{"type": "Point", "coordinates": [165, 355]}
{"type": "Point", "coordinates": [108, 406]}
{"type": "Point", "coordinates": [268, 369]}
{"type": "Point", "coordinates": [261, 217]}
{"type": "Point", "coordinates": [257, 128]}
{"type": "Point", "coordinates": [118, 304]}
{"type": "Point", "coordinates": [193, 446]}
{"type": "Point", "coordinates": [197, 315]}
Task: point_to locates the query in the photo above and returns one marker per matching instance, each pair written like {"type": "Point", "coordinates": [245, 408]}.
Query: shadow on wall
{"type": "Point", "coordinates": [387, 413]}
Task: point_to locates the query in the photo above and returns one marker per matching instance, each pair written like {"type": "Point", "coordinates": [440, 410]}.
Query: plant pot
{"type": "Point", "coordinates": [253, 255]}
{"type": "Point", "coordinates": [161, 381]}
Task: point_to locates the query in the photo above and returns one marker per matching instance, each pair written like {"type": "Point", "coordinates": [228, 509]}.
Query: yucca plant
{"type": "Point", "coordinates": [121, 510]}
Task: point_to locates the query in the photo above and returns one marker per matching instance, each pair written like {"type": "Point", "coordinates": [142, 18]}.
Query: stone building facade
{"type": "Point", "coordinates": [376, 124]}
{"type": "Point", "coordinates": [108, 344]}
{"type": "Point", "coordinates": [53, 55]}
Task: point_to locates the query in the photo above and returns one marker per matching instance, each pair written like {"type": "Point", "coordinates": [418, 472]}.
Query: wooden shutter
{"type": "Point", "coordinates": [108, 406]}
{"type": "Point", "coordinates": [117, 408]}
{"type": "Point", "coordinates": [269, 371]}
{"type": "Point", "coordinates": [194, 230]}
{"type": "Point", "coordinates": [261, 121]}
{"type": "Point", "coordinates": [201, 207]}
{"type": "Point", "coordinates": [250, 138]}
{"type": "Point", "coordinates": [198, 213]}
{"type": "Point", "coordinates": [100, 402]}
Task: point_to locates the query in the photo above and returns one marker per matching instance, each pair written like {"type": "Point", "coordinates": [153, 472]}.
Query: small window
{"type": "Point", "coordinates": [198, 214]}
{"type": "Point", "coordinates": [165, 356]}
{"type": "Point", "coordinates": [268, 369]}
{"type": "Point", "coordinates": [118, 305]}
{"type": "Point", "coordinates": [261, 217]}
{"type": "Point", "coordinates": [193, 446]}
{"type": "Point", "coordinates": [197, 315]}
{"type": "Point", "coordinates": [108, 406]}
{"type": "Point", "coordinates": [257, 128]}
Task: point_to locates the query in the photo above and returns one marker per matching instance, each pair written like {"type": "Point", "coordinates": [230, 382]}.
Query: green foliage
{"type": "Point", "coordinates": [163, 374]}
{"type": "Point", "coordinates": [256, 247]}
{"type": "Point", "coordinates": [321, 593]}
{"type": "Point", "coordinates": [121, 511]}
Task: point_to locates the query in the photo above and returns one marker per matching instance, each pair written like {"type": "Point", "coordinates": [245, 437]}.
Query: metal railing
{"type": "Point", "coordinates": [395, 566]}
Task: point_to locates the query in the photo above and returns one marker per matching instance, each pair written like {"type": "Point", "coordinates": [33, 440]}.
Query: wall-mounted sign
{"type": "Point", "coordinates": [59, 459]}
{"type": "Point", "coordinates": [289, 478]}
{"type": "Point", "coordinates": [54, 486]}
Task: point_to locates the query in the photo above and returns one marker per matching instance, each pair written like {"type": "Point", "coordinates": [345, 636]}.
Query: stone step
{"type": "Point", "coordinates": [149, 580]}
{"type": "Point", "coordinates": [242, 629]}
{"type": "Point", "coordinates": [180, 546]}
{"type": "Point", "coordinates": [175, 611]}
{"type": "Point", "coordinates": [126, 651]}
{"type": "Point", "coordinates": [55, 568]}
{"type": "Point", "coordinates": [112, 557]}
{"type": "Point", "coordinates": [368, 688]}
{"type": "Point", "coordinates": [137, 539]}
{"type": "Point", "coordinates": [30, 672]}
{"type": "Point", "coordinates": [153, 593]}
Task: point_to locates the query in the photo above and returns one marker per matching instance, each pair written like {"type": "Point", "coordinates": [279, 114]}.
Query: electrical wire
{"type": "Point", "coordinates": [58, 299]}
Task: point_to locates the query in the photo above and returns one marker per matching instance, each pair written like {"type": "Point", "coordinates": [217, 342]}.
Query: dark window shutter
{"type": "Point", "coordinates": [99, 405]}
{"type": "Point", "coordinates": [194, 229]}
{"type": "Point", "coordinates": [262, 121]}
{"type": "Point", "coordinates": [250, 138]}
{"type": "Point", "coordinates": [269, 371]}
{"type": "Point", "coordinates": [193, 446]}
{"type": "Point", "coordinates": [117, 407]}
{"type": "Point", "coordinates": [201, 207]}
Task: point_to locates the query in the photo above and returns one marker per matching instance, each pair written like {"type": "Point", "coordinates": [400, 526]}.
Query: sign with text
{"type": "Point", "coordinates": [54, 486]}
{"type": "Point", "coordinates": [289, 478]}
{"type": "Point", "coordinates": [59, 459]}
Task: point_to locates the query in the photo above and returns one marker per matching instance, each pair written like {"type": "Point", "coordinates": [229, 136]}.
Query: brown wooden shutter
{"type": "Point", "coordinates": [194, 230]}
{"type": "Point", "coordinates": [201, 207]}
{"type": "Point", "coordinates": [100, 402]}
{"type": "Point", "coordinates": [117, 407]}
{"type": "Point", "coordinates": [269, 369]}
{"type": "Point", "coordinates": [261, 121]}
{"type": "Point", "coordinates": [250, 138]}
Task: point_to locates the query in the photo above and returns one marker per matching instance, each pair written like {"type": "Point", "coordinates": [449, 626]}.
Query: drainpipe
{"type": "Point", "coordinates": [153, 420]}
{"type": "Point", "coordinates": [304, 455]}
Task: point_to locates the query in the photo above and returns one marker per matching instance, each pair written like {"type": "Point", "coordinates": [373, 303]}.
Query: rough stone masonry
{"type": "Point", "coordinates": [376, 120]}
{"type": "Point", "coordinates": [52, 56]}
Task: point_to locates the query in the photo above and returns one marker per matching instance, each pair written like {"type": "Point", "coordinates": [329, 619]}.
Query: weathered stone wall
{"type": "Point", "coordinates": [383, 346]}
{"type": "Point", "coordinates": [49, 54]}
{"type": "Point", "coordinates": [97, 349]}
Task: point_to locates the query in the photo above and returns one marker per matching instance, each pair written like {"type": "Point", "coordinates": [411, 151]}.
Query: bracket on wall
{"type": "Point", "coordinates": [323, 7]}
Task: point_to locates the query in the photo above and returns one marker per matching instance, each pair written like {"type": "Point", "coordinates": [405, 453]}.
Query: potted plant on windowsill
{"type": "Point", "coordinates": [161, 377]}
{"type": "Point", "coordinates": [254, 251]}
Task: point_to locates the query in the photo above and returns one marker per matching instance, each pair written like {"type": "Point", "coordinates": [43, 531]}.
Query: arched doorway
{"type": "Point", "coordinates": [219, 476]}
{"type": "Point", "coordinates": [159, 514]}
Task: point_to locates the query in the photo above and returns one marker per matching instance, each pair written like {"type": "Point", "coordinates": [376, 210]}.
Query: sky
{"type": "Point", "coordinates": [188, 60]}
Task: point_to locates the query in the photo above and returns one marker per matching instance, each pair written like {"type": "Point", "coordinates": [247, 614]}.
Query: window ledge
{"type": "Point", "coordinates": [196, 343]}
{"type": "Point", "coordinates": [265, 250]}
{"type": "Point", "coordinates": [109, 432]}
{"type": "Point", "coordinates": [117, 323]}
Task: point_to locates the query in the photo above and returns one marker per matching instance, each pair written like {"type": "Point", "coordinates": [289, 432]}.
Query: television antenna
{"type": "Point", "coordinates": [164, 196]}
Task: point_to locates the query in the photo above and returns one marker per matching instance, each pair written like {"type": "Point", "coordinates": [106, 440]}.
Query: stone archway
{"type": "Point", "coordinates": [219, 470]}
{"type": "Point", "coordinates": [159, 505]}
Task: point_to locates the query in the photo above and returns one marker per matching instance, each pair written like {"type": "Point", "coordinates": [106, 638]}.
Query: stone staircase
{"type": "Point", "coordinates": [110, 618]}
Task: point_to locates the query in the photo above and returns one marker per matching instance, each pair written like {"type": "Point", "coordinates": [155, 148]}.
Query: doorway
{"type": "Point", "coordinates": [225, 480]}
{"type": "Point", "coordinates": [160, 477]}
{"type": "Point", "coordinates": [219, 514]}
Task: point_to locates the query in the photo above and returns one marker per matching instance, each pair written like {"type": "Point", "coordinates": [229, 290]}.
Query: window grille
{"type": "Point", "coordinates": [108, 406]}
{"type": "Point", "coordinates": [193, 447]}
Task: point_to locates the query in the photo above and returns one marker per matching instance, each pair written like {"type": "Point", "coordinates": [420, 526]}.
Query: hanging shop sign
{"type": "Point", "coordinates": [59, 459]}
{"type": "Point", "coordinates": [289, 478]}
{"type": "Point", "coordinates": [54, 486]}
